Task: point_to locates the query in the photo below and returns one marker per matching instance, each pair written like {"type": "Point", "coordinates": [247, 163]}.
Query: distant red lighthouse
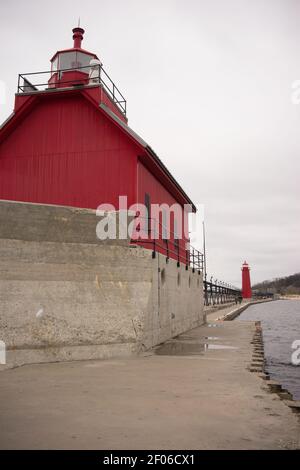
{"type": "Point", "coordinates": [246, 285]}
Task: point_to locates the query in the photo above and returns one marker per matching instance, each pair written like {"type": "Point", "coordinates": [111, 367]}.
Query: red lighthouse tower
{"type": "Point", "coordinates": [246, 285]}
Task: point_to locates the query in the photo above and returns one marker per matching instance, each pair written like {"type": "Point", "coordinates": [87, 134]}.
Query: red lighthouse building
{"type": "Point", "coordinates": [68, 143]}
{"type": "Point", "coordinates": [246, 284]}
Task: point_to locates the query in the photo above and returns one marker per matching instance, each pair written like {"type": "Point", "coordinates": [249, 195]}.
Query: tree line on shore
{"type": "Point", "coordinates": [289, 285]}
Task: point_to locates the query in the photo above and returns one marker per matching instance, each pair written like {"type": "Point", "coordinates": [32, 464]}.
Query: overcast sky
{"type": "Point", "coordinates": [208, 86]}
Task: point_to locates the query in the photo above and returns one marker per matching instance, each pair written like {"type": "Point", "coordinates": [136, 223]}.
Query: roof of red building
{"type": "Point", "coordinates": [147, 147]}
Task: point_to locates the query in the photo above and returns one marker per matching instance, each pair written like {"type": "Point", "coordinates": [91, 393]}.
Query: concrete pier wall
{"type": "Point", "coordinates": [65, 295]}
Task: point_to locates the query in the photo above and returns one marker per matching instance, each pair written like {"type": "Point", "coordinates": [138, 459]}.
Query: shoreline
{"type": "Point", "coordinates": [230, 313]}
{"type": "Point", "coordinates": [258, 364]}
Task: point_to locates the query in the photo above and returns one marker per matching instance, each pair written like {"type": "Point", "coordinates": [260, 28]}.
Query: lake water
{"type": "Point", "coordinates": [281, 327]}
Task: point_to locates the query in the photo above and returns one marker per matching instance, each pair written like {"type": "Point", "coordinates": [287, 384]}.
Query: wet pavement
{"type": "Point", "coordinates": [191, 345]}
{"type": "Point", "coordinates": [194, 392]}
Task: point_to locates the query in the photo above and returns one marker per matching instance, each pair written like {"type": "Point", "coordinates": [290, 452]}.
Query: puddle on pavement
{"type": "Point", "coordinates": [178, 348]}
{"type": "Point", "coordinates": [219, 346]}
{"type": "Point", "coordinates": [189, 344]}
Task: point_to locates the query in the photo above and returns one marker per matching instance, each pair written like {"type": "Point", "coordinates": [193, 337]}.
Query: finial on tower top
{"type": "Point", "coordinates": [78, 36]}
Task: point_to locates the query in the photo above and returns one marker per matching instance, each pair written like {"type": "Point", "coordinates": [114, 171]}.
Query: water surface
{"type": "Point", "coordinates": [281, 327]}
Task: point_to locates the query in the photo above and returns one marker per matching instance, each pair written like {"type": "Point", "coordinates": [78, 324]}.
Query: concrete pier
{"type": "Point", "coordinates": [193, 392]}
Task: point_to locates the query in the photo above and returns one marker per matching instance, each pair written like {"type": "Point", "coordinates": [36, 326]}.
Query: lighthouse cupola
{"type": "Point", "coordinates": [73, 71]}
{"type": "Point", "coordinates": [71, 67]}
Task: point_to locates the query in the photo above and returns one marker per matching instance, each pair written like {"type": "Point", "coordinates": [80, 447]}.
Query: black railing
{"type": "Point", "coordinates": [150, 232]}
{"type": "Point", "coordinates": [196, 259]}
{"type": "Point", "coordinates": [163, 240]}
{"type": "Point", "coordinates": [56, 78]}
{"type": "Point", "coordinates": [219, 292]}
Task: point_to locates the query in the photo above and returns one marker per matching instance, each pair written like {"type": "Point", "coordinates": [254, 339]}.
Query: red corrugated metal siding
{"type": "Point", "coordinates": [147, 183]}
{"type": "Point", "coordinates": [101, 96]}
{"type": "Point", "coordinates": [66, 152]}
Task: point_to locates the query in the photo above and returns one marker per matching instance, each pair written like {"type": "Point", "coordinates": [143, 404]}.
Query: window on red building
{"type": "Point", "coordinates": [148, 214]}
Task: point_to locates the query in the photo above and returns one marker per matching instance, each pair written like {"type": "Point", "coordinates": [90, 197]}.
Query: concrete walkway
{"type": "Point", "coordinates": [231, 311]}
{"type": "Point", "coordinates": [213, 313]}
{"type": "Point", "coordinates": [190, 394]}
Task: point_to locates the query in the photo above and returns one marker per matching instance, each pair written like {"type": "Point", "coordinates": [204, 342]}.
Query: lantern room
{"type": "Point", "coordinates": [71, 67]}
